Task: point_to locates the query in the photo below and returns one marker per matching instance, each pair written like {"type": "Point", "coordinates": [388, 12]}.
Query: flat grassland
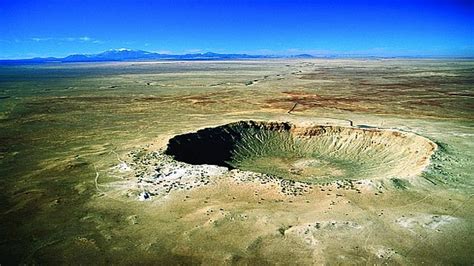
{"type": "Point", "coordinates": [79, 144]}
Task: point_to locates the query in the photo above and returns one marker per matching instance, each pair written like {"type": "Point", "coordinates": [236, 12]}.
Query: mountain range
{"type": "Point", "coordinates": [121, 55]}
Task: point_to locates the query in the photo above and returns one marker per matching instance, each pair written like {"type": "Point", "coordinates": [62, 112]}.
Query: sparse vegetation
{"type": "Point", "coordinates": [81, 143]}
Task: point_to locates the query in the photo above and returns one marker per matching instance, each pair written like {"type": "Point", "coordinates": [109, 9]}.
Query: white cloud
{"type": "Point", "coordinates": [38, 39]}
{"type": "Point", "coordinates": [66, 39]}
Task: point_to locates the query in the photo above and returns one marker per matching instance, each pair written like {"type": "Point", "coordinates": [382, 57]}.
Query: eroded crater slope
{"type": "Point", "coordinates": [306, 153]}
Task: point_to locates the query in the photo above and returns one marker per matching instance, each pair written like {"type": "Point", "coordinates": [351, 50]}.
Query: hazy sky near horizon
{"type": "Point", "coordinates": [31, 28]}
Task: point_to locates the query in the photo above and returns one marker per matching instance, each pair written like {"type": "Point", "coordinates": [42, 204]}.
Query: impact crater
{"type": "Point", "coordinates": [311, 154]}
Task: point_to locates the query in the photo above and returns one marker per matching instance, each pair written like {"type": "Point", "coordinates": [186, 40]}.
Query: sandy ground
{"type": "Point", "coordinates": [71, 192]}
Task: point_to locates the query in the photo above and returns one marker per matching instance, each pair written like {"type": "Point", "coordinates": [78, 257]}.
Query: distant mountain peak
{"type": "Point", "coordinates": [121, 49]}
{"type": "Point", "coordinates": [124, 50]}
{"type": "Point", "coordinates": [126, 54]}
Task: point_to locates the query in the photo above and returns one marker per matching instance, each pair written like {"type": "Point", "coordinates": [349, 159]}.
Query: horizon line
{"type": "Point", "coordinates": [275, 54]}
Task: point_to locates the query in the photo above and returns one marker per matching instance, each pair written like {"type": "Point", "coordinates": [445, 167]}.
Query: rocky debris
{"type": "Point", "coordinates": [132, 219]}
{"type": "Point", "coordinates": [144, 196]}
{"type": "Point", "coordinates": [427, 221]}
{"type": "Point", "coordinates": [158, 174]}
{"type": "Point", "coordinates": [287, 187]}
{"type": "Point", "coordinates": [123, 167]}
{"type": "Point", "coordinates": [309, 232]}
{"type": "Point", "coordinates": [383, 252]}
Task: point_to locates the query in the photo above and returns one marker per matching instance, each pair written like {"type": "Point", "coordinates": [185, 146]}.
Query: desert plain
{"type": "Point", "coordinates": [246, 162]}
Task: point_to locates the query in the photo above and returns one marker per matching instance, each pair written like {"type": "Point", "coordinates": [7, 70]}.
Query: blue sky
{"type": "Point", "coordinates": [31, 28]}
